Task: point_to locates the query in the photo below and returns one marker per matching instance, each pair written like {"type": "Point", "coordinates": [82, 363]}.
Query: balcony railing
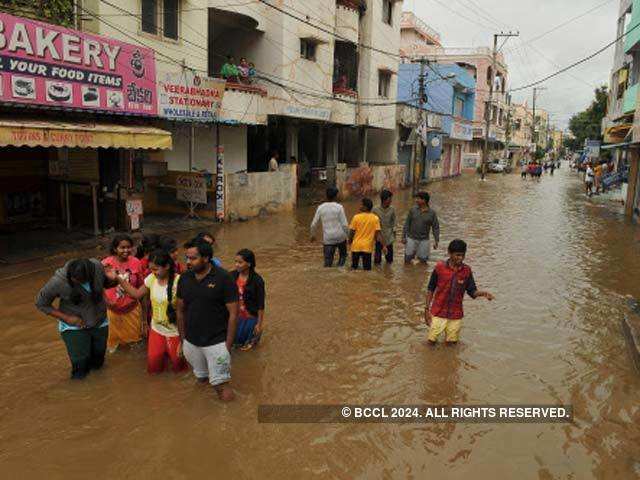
{"type": "Point", "coordinates": [345, 91]}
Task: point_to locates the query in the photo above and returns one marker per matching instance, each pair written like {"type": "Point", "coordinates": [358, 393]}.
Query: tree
{"type": "Point", "coordinates": [60, 12]}
{"type": "Point", "coordinates": [588, 124]}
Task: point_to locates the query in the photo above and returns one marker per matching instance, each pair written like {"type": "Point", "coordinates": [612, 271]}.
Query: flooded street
{"type": "Point", "coordinates": [560, 266]}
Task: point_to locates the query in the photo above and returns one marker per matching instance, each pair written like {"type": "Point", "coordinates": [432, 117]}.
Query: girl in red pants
{"type": "Point", "coordinates": [164, 339]}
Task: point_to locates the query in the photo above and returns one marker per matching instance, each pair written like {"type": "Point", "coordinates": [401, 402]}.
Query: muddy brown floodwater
{"type": "Point", "coordinates": [561, 267]}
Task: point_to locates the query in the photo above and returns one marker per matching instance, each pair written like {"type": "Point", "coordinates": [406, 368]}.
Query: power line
{"type": "Point", "coordinates": [579, 62]}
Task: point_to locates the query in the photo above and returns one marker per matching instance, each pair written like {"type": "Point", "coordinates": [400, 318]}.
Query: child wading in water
{"type": "Point", "coordinates": [251, 301]}
{"type": "Point", "coordinates": [449, 282]}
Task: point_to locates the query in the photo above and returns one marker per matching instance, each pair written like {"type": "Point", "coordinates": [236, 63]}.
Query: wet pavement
{"type": "Point", "coordinates": [562, 268]}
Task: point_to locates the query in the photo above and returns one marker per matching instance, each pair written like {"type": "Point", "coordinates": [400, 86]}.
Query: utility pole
{"type": "Point", "coordinates": [534, 137]}
{"type": "Point", "coordinates": [420, 121]}
{"type": "Point", "coordinates": [489, 104]}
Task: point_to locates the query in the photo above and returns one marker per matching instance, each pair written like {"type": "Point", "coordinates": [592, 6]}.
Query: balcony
{"type": "Point", "coordinates": [630, 99]}
{"type": "Point", "coordinates": [632, 39]}
{"type": "Point", "coordinates": [244, 104]}
{"type": "Point", "coordinates": [347, 20]}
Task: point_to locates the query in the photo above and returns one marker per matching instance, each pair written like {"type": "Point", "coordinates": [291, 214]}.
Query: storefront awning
{"type": "Point", "coordinates": [34, 133]}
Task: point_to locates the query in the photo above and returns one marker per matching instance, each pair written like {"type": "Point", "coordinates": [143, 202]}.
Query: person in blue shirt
{"type": "Point", "coordinates": [208, 238]}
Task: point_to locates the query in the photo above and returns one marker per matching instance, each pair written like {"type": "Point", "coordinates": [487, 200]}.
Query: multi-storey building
{"type": "Point", "coordinates": [620, 125]}
{"type": "Point", "coordinates": [520, 141]}
{"type": "Point", "coordinates": [478, 62]}
{"type": "Point", "coordinates": [322, 97]}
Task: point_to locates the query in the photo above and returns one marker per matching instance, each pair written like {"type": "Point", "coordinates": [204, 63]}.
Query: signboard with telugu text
{"type": "Point", "coordinates": [53, 66]}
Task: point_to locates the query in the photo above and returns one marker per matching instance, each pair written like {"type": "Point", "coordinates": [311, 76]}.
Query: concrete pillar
{"type": "Point", "coordinates": [333, 136]}
{"type": "Point", "coordinates": [634, 159]}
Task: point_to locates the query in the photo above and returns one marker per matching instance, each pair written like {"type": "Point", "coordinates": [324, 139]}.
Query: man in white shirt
{"type": "Point", "coordinates": [589, 175]}
{"type": "Point", "coordinates": [335, 228]}
{"type": "Point", "coordinates": [273, 163]}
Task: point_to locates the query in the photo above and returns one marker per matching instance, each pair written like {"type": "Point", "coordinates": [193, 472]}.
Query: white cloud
{"type": "Point", "coordinates": [566, 94]}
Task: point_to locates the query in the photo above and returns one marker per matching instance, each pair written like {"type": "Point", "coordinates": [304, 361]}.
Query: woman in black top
{"type": "Point", "coordinates": [251, 305]}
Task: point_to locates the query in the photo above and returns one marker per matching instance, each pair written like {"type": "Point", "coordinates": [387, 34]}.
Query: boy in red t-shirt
{"type": "Point", "coordinates": [449, 282]}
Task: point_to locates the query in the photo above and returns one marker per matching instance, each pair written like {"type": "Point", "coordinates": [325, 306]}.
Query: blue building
{"type": "Point", "coordinates": [450, 104]}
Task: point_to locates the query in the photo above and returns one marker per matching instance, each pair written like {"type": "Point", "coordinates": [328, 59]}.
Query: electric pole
{"type": "Point", "coordinates": [489, 104]}
{"type": "Point", "coordinates": [420, 123]}
{"type": "Point", "coordinates": [534, 137]}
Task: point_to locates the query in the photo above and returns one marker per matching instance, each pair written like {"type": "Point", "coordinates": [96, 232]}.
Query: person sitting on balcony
{"type": "Point", "coordinates": [229, 70]}
{"type": "Point", "coordinates": [252, 72]}
{"type": "Point", "coordinates": [243, 70]}
{"type": "Point", "coordinates": [340, 84]}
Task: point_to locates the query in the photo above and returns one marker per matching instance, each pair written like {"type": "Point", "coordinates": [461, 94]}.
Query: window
{"type": "Point", "coordinates": [387, 11]}
{"type": "Point", "coordinates": [458, 107]}
{"type": "Point", "coordinates": [160, 17]}
{"type": "Point", "coordinates": [384, 84]}
{"type": "Point", "coordinates": [308, 49]}
{"type": "Point", "coordinates": [170, 19]}
{"type": "Point", "coordinates": [149, 16]}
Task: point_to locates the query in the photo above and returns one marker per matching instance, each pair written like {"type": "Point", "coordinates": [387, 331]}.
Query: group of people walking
{"type": "Point", "coordinates": [593, 177]}
{"type": "Point", "coordinates": [192, 314]}
{"type": "Point", "coordinates": [371, 234]}
{"type": "Point", "coordinates": [196, 313]}
{"type": "Point", "coordinates": [535, 169]}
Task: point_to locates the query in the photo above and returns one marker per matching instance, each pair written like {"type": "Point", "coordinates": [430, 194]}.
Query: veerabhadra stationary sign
{"type": "Point", "coordinates": [53, 66]}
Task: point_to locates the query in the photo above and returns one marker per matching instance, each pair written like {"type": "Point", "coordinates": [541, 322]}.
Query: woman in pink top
{"type": "Point", "coordinates": [123, 311]}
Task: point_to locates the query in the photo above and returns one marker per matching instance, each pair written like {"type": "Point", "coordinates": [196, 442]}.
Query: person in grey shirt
{"type": "Point", "coordinates": [335, 228]}
{"type": "Point", "coordinates": [81, 311]}
{"type": "Point", "coordinates": [387, 215]}
{"type": "Point", "coordinates": [421, 220]}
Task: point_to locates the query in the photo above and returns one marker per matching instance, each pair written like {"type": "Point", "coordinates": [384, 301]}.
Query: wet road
{"type": "Point", "coordinates": [560, 266]}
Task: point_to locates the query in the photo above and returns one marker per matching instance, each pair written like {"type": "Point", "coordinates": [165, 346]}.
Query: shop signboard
{"type": "Point", "coordinates": [187, 96]}
{"type": "Point", "coordinates": [53, 66]}
{"type": "Point", "coordinates": [192, 189]}
{"type": "Point", "coordinates": [461, 131]}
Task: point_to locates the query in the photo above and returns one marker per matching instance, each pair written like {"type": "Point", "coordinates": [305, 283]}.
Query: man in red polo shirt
{"type": "Point", "coordinates": [449, 282]}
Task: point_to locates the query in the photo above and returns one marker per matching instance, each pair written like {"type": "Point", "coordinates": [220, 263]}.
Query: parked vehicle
{"type": "Point", "coordinates": [499, 166]}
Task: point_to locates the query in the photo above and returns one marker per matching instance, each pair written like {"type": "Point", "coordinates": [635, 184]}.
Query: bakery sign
{"type": "Point", "coordinates": [187, 96]}
{"type": "Point", "coordinates": [54, 66]}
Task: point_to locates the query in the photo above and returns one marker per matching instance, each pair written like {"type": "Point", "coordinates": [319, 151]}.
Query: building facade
{"type": "Point", "coordinates": [448, 110]}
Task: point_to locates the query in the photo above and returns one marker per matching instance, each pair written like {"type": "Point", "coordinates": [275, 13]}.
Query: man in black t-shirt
{"type": "Point", "coordinates": [207, 308]}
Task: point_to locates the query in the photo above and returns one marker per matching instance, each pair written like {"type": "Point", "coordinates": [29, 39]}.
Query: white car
{"type": "Point", "coordinates": [497, 166]}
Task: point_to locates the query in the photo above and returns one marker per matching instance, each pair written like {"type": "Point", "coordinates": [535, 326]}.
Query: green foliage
{"type": "Point", "coordinates": [588, 124]}
{"type": "Point", "coordinates": [539, 152]}
{"type": "Point", "coordinates": [52, 11]}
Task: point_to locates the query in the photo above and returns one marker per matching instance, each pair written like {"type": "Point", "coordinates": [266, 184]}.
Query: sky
{"type": "Point", "coordinates": [472, 23]}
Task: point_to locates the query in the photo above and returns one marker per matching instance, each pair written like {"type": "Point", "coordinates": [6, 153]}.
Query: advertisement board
{"type": "Point", "coordinates": [187, 96]}
{"type": "Point", "coordinates": [461, 131]}
{"type": "Point", "coordinates": [191, 189]}
{"type": "Point", "coordinates": [54, 66]}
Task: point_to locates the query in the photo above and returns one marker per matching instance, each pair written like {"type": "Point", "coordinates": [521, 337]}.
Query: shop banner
{"type": "Point", "coordinates": [187, 96]}
{"type": "Point", "coordinates": [192, 189]}
{"type": "Point", "coordinates": [461, 131]}
{"type": "Point", "coordinates": [54, 66]}
{"type": "Point", "coordinates": [220, 213]}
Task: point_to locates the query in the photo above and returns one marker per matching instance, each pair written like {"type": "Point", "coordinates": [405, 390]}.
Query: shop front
{"type": "Point", "coordinates": [73, 176]}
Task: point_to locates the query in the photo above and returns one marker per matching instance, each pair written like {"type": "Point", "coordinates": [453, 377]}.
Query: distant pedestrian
{"type": "Point", "coordinates": [421, 221]}
{"type": "Point", "coordinates": [207, 309]}
{"type": "Point", "coordinates": [538, 172]}
{"type": "Point", "coordinates": [160, 287]}
{"type": "Point", "coordinates": [524, 169]}
{"type": "Point", "coordinates": [597, 174]}
{"type": "Point", "coordinates": [364, 231]}
{"type": "Point", "coordinates": [125, 313]}
{"type": "Point", "coordinates": [335, 228]}
{"type": "Point", "coordinates": [552, 168]}
{"type": "Point", "coordinates": [588, 180]}
{"type": "Point", "coordinates": [387, 215]}
{"type": "Point", "coordinates": [210, 239]}
{"type": "Point", "coordinates": [81, 311]}
{"type": "Point", "coordinates": [251, 294]}
{"type": "Point", "coordinates": [273, 161]}
{"type": "Point", "coordinates": [449, 281]}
